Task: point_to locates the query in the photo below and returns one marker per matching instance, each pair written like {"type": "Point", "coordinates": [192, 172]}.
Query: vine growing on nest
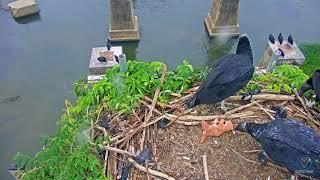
{"type": "Point", "coordinates": [69, 154]}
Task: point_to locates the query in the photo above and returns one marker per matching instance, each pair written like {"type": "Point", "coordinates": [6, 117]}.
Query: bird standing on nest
{"type": "Point", "coordinates": [313, 83]}
{"type": "Point", "coordinates": [229, 75]}
{"type": "Point", "coordinates": [287, 143]}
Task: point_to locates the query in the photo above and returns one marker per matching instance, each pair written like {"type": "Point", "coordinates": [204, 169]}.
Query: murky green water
{"type": "Point", "coordinates": [41, 56]}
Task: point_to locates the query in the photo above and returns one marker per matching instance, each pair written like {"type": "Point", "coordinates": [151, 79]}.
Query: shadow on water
{"type": "Point", "coordinates": [28, 19]}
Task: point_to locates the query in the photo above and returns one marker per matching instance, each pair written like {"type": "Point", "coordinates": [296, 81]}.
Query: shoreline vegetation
{"type": "Point", "coordinates": [75, 151]}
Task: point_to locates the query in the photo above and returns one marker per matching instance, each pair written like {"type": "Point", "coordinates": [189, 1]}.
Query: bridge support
{"type": "Point", "coordinates": [123, 24]}
{"type": "Point", "coordinates": [223, 18]}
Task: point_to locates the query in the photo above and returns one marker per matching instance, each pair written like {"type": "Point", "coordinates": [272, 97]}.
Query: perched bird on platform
{"type": "Point", "coordinates": [230, 74]}
{"type": "Point", "coordinates": [287, 143]}
{"type": "Point", "coordinates": [280, 52]}
{"type": "Point", "coordinates": [290, 39]}
{"type": "Point", "coordinates": [102, 59]}
{"type": "Point", "coordinates": [109, 45]}
{"type": "Point", "coordinates": [280, 38]}
{"type": "Point", "coordinates": [313, 83]}
{"type": "Point", "coordinates": [272, 39]}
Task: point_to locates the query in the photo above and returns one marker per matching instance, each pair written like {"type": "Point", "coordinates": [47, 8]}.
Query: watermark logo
{"type": "Point", "coordinates": [305, 161]}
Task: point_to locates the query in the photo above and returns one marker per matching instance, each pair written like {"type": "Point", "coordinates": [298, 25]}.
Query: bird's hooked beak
{"type": "Point", "coordinates": [241, 127]}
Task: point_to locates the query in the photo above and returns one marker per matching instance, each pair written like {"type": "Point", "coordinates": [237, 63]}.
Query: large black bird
{"type": "Point", "coordinates": [287, 143]}
{"type": "Point", "coordinates": [272, 39]}
{"type": "Point", "coordinates": [280, 38]}
{"type": "Point", "coordinates": [109, 45]}
{"type": "Point", "coordinates": [290, 39]}
{"type": "Point", "coordinates": [229, 75]}
{"type": "Point", "coordinates": [313, 83]}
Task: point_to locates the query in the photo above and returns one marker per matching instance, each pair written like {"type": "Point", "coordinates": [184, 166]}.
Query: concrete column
{"type": "Point", "coordinates": [223, 18]}
{"type": "Point", "coordinates": [123, 24]}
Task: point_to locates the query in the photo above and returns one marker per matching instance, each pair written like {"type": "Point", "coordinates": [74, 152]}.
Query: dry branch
{"type": "Point", "coordinates": [266, 97]}
{"type": "Point", "coordinates": [207, 118]}
{"type": "Point", "coordinates": [108, 148]}
{"type": "Point", "coordinates": [150, 171]}
{"type": "Point", "coordinates": [205, 167]}
{"type": "Point", "coordinates": [242, 107]}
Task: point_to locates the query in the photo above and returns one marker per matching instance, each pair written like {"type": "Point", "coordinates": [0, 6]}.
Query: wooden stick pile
{"type": "Point", "coordinates": [141, 127]}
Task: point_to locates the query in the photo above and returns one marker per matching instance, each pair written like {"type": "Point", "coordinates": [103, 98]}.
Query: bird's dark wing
{"type": "Point", "coordinates": [294, 134]}
{"type": "Point", "coordinates": [316, 84]}
{"type": "Point", "coordinates": [228, 70]}
{"type": "Point", "coordinates": [306, 86]}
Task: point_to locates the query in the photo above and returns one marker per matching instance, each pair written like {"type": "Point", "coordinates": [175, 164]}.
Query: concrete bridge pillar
{"type": "Point", "coordinates": [123, 24]}
{"type": "Point", "coordinates": [223, 18]}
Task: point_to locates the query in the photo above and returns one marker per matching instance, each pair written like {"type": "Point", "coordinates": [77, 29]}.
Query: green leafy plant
{"type": "Point", "coordinates": [68, 154]}
{"type": "Point", "coordinates": [312, 54]}
{"type": "Point", "coordinates": [283, 79]}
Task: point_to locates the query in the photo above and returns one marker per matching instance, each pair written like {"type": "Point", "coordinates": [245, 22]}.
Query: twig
{"type": "Point", "coordinates": [205, 167]}
{"type": "Point", "coordinates": [184, 113]}
{"type": "Point", "coordinates": [158, 103]}
{"type": "Point", "coordinates": [146, 104]}
{"type": "Point", "coordinates": [271, 117]}
{"type": "Point", "coordinates": [310, 121]}
{"type": "Point", "coordinates": [150, 171]}
{"type": "Point", "coordinates": [98, 116]}
{"type": "Point", "coordinates": [254, 162]}
{"type": "Point", "coordinates": [207, 118]}
{"type": "Point", "coordinates": [246, 159]}
{"type": "Point", "coordinates": [176, 94]}
{"type": "Point", "coordinates": [184, 98]}
{"type": "Point", "coordinates": [120, 151]}
{"type": "Point", "coordinates": [252, 151]}
{"type": "Point", "coordinates": [242, 107]}
{"type": "Point", "coordinates": [266, 97]}
{"type": "Point", "coordinates": [300, 100]}
{"type": "Point", "coordinates": [142, 139]}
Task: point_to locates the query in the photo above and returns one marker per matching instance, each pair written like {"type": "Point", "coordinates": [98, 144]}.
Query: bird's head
{"type": "Point", "coordinates": [280, 112]}
{"type": "Point", "coordinates": [253, 129]}
{"type": "Point", "coordinates": [242, 127]}
{"type": "Point", "coordinates": [244, 46]}
{"type": "Point", "coordinates": [279, 52]}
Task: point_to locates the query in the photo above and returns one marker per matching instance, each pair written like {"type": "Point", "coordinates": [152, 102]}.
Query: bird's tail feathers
{"type": "Point", "coordinates": [192, 102]}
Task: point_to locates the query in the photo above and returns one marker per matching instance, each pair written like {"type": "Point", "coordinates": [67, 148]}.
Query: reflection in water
{"type": "Point", "coordinates": [129, 48]}
{"type": "Point", "coordinates": [218, 47]}
{"type": "Point", "coordinates": [28, 19]}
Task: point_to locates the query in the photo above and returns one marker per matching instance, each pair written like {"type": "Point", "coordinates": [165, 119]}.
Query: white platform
{"type": "Point", "coordinates": [98, 68]}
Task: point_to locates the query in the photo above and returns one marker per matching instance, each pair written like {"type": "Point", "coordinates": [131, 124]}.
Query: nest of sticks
{"type": "Point", "coordinates": [175, 149]}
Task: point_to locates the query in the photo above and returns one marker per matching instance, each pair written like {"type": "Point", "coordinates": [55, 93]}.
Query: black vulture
{"type": "Point", "coordinates": [280, 38]}
{"type": "Point", "coordinates": [230, 74]}
{"type": "Point", "coordinates": [287, 143]}
{"type": "Point", "coordinates": [102, 59]}
{"type": "Point", "coordinates": [109, 45]}
{"type": "Point", "coordinates": [280, 52]}
{"type": "Point", "coordinates": [290, 39]}
{"type": "Point", "coordinates": [272, 39]}
{"type": "Point", "coordinates": [313, 83]}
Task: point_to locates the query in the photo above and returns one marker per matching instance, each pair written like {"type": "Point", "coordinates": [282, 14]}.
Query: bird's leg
{"type": "Point", "coordinates": [262, 157]}
{"type": "Point", "coordinates": [293, 177]}
{"type": "Point", "coordinates": [223, 107]}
